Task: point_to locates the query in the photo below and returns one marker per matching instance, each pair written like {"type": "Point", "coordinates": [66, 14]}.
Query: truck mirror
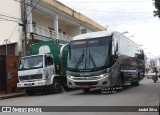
{"type": "Point", "coordinates": [57, 41]}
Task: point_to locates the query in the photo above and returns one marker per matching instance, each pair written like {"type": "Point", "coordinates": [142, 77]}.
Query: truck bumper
{"type": "Point", "coordinates": [99, 83]}
{"type": "Point", "coordinates": [41, 83]}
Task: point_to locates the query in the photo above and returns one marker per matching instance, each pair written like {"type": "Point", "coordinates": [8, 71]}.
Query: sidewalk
{"type": "Point", "coordinates": [11, 95]}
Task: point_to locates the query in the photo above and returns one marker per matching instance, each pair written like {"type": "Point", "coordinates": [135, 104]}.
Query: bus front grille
{"type": "Point", "coordinates": [86, 83]}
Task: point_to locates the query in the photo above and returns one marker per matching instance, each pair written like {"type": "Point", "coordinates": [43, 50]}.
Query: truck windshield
{"type": "Point", "coordinates": [31, 62]}
{"type": "Point", "coordinates": [89, 54]}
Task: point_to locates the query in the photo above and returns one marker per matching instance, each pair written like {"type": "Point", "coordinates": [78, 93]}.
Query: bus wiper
{"type": "Point", "coordinates": [90, 57]}
{"type": "Point", "coordinates": [80, 60]}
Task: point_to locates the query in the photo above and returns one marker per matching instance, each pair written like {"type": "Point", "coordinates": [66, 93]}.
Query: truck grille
{"type": "Point", "coordinates": [86, 83]}
{"type": "Point", "coordinates": [29, 77]}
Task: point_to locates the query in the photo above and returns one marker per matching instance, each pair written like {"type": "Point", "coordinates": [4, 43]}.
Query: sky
{"type": "Point", "coordinates": [134, 16]}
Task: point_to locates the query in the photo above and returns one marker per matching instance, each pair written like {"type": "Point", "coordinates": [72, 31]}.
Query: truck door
{"type": "Point", "coordinates": [49, 66]}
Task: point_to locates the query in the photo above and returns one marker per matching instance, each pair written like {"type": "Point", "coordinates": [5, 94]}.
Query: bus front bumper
{"type": "Point", "coordinates": [88, 82]}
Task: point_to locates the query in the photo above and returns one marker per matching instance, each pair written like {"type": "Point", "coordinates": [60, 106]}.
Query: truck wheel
{"type": "Point", "coordinates": [86, 90]}
{"type": "Point", "coordinates": [29, 92]}
{"type": "Point", "coordinates": [56, 87]}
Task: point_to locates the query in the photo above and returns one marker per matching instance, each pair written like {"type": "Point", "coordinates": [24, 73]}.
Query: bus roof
{"type": "Point", "coordinates": [93, 35]}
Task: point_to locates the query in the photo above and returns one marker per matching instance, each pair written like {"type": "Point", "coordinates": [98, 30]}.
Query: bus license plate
{"type": "Point", "coordinates": [87, 86]}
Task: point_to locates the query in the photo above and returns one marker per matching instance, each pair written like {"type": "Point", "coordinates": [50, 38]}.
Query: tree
{"type": "Point", "coordinates": [157, 6]}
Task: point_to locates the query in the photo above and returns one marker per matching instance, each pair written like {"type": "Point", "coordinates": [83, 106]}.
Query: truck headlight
{"type": "Point", "coordinates": [103, 75]}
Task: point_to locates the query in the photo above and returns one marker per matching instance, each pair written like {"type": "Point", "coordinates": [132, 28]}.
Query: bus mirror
{"type": "Point", "coordinates": [62, 49]}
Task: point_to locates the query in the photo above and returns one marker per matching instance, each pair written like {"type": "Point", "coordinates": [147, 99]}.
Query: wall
{"type": "Point", "coordinates": [12, 73]}
{"type": "Point", "coordinates": [13, 9]}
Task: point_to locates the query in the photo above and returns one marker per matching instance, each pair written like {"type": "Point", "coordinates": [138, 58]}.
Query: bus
{"type": "Point", "coordinates": [103, 59]}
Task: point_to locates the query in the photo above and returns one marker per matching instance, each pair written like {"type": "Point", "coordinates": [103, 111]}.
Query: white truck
{"type": "Point", "coordinates": [44, 69]}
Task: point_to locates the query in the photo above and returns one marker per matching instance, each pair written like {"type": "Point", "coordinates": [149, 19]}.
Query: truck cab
{"type": "Point", "coordinates": [37, 72]}
{"type": "Point", "coordinates": [43, 69]}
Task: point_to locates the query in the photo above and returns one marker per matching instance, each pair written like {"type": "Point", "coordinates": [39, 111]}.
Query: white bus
{"type": "Point", "coordinates": [103, 59]}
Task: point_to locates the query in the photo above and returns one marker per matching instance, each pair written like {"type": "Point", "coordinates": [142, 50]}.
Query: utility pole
{"type": "Point", "coordinates": [25, 28]}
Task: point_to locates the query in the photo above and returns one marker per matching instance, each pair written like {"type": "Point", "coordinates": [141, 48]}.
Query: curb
{"type": "Point", "coordinates": [7, 96]}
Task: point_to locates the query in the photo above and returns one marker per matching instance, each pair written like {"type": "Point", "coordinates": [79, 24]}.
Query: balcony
{"type": "Point", "coordinates": [49, 33]}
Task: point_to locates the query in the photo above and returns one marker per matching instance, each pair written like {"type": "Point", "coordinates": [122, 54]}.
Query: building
{"type": "Point", "coordinates": [46, 19]}
{"type": "Point", "coordinates": [23, 22]}
{"type": "Point", "coordinates": [10, 32]}
{"type": "Point", "coordinates": [52, 20]}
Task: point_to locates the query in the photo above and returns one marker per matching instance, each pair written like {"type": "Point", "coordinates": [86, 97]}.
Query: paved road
{"type": "Point", "coordinates": [147, 94]}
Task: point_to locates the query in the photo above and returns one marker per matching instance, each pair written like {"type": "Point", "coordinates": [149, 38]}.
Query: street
{"type": "Point", "coordinates": [146, 94]}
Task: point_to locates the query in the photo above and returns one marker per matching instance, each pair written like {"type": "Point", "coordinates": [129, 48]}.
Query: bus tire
{"type": "Point", "coordinates": [55, 86]}
{"type": "Point", "coordinates": [86, 90]}
{"type": "Point", "coordinates": [121, 79]}
{"type": "Point", "coordinates": [136, 83]}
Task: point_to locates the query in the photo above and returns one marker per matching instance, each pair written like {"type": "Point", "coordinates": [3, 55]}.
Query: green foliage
{"type": "Point", "coordinates": [157, 6]}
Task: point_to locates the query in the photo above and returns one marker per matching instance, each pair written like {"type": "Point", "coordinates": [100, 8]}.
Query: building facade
{"type": "Point", "coordinates": [51, 19]}
{"type": "Point", "coordinates": [10, 31]}
{"type": "Point", "coordinates": [26, 22]}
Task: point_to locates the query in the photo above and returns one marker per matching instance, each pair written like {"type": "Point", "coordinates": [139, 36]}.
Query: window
{"type": "Point", "coordinates": [83, 31]}
{"type": "Point", "coordinates": [48, 61]}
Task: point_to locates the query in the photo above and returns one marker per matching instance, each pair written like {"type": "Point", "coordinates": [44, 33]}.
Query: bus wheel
{"type": "Point", "coordinates": [56, 87]}
{"type": "Point", "coordinates": [121, 80]}
{"type": "Point", "coordinates": [136, 83]}
{"type": "Point", "coordinates": [86, 90]}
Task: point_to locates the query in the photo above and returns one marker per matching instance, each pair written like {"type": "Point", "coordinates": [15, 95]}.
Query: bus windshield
{"type": "Point", "coordinates": [89, 54]}
{"type": "Point", "coordinates": [33, 62]}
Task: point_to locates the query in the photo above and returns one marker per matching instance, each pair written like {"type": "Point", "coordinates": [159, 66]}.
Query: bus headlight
{"type": "Point", "coordinates": [69, 76]}
{"type": "Point", "coordinates": [103, 75]}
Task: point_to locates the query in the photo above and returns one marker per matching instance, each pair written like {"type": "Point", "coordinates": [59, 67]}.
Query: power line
{"type": "Point", "coordinates": [86, 7]}
{"type": "Point", "coordinates": [108, 11]}
{"type": "Point", "coordinates": [4, 19]}
{"type": "Point", "coordinates": [13, 31]}
{"type": "Point", "coordinates": [9, 16]}
{"type": "Point", "coordinates": [33, 8]}
{"type": "Point", "coordinates": [40, 11]}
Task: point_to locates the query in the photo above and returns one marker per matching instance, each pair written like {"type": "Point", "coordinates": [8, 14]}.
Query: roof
{"type": "Point", "coordinates": [74, 14]}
